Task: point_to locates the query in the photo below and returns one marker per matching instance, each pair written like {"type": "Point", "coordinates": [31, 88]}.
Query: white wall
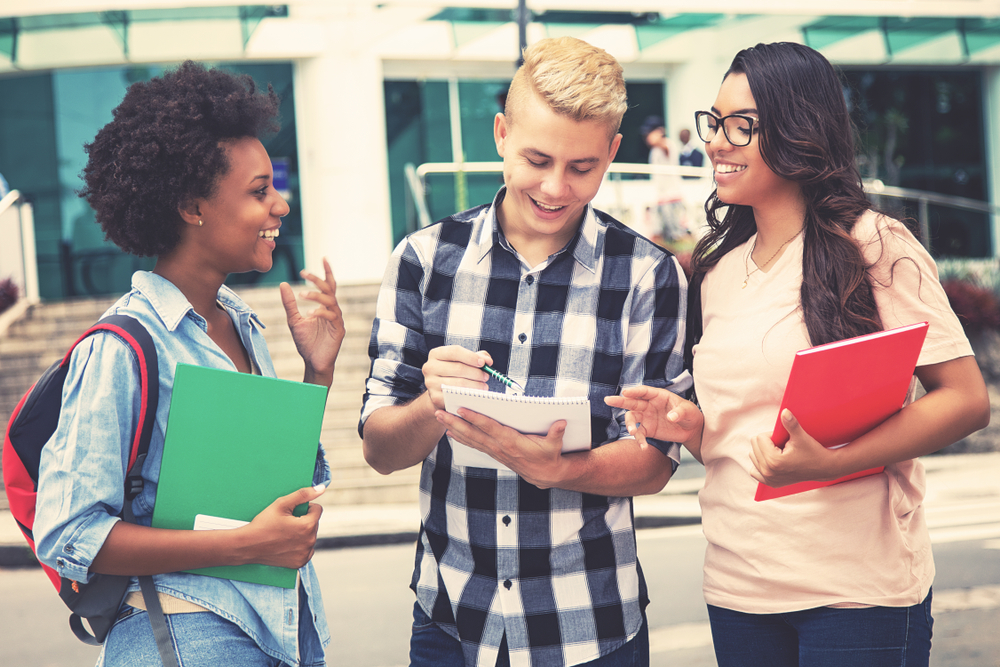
{"type": "Point", "coordinates": [342, 147]}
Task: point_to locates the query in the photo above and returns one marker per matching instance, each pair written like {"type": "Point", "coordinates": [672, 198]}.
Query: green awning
{"type": "Point", "coordinates": [14, 29]}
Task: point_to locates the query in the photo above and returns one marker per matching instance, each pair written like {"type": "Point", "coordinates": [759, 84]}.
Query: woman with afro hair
{"type": "Point", "coordinates": [180, 174]}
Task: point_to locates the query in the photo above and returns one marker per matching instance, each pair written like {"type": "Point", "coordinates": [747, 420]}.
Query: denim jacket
{"type": "Point", "coordinates": [82, 469]}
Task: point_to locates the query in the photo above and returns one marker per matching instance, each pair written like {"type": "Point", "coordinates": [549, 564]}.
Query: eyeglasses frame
{"type": "Point", "coordinates": [722, 123]}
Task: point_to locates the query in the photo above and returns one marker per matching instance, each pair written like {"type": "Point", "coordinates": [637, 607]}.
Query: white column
{"type": "Point", "coordinates": [693, 86]}
{"type": "Point", "coordinates": [991, 116]}
{"type": "Point", "coordinates": [340, 119]}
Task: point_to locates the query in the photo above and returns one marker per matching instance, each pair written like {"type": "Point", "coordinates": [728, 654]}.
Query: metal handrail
{"type": "Point", "coordinates": [616, 168]}
{"type": "Point", "coordinates": [417, 202]}
{"type": "Point", "coordinates": [416, 179]}
{"type": "Point", "coordinates": [924, 199]}
{"type": "Point", "coordinates": [17, 253]}
{"type": "Point", "coordinates": [876, 187]}
{"type": "Point", "coordinates": [416, 182]}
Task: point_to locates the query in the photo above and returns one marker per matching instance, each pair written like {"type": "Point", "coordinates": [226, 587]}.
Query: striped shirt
{"type": "Point", "coordinates": [553, 570]}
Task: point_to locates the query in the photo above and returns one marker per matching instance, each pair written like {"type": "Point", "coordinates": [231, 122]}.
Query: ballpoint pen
{"type": "Point", "coordinates": [504, 379]}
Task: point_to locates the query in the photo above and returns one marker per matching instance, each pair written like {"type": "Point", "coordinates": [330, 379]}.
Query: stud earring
{"type": "Point", "coordinates": [201, 223]}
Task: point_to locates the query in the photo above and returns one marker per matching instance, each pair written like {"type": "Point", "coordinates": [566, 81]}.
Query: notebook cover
{"type": "Point", "coordinates": [234, 443]}
{"type": "Point", "coordinates": [842, 390]}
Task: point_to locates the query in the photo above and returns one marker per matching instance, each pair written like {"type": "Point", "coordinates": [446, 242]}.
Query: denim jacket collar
{"type": "Point", "coordinates": [172, 306]}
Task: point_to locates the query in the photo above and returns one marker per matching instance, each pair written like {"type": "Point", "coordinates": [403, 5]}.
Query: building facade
{"type": "Point", "coordinates": [371, 86]}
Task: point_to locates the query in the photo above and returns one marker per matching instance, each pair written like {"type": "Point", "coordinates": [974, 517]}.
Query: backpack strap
{"type": "Point", "coordinates": [157, 619]}
{"type": "Point", "coordinates": [138, 338]}
{"type": "Point", "coordinates": [140, 342]}
{"type": "Point", "coordinates": [99, 600]}
{"type": "Point", "coordinates": [135, 335]}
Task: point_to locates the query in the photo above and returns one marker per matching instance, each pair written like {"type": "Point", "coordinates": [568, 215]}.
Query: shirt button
{"type": "Point", "coordinates": [507, 584]}
{"type": "Point", "coordinates": [506, 520]}
{"type": "Point", "coordinates": [529, 279]}
{"type": "Point", "coordinates": [522, 337]}
{"type": "Point", "coordinates": [69, 548]}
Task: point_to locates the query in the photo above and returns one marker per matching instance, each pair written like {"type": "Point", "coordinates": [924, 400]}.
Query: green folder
{"type": "Point", "coordinates": [235, 443]}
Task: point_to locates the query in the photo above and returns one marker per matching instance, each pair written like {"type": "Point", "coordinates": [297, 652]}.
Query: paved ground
{"type": "Point", "coordinates": [963, 514]}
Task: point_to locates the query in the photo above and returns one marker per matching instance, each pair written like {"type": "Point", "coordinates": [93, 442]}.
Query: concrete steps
{"type": "Point", "coordinates": [44, 333]}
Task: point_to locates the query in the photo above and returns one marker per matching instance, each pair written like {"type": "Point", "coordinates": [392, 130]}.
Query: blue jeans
{"type": "Point", "coordinates": [430, 646]}
{"type": "Point", "coordinates": [824, 637]}
{"type": "Point", "coordinates": [201, 639]}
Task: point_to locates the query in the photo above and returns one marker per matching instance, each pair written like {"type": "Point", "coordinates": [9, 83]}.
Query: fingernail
{"type": "Point", "coordinates": [319, 488]}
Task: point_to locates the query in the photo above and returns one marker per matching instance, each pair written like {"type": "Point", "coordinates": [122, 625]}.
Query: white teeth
{"type": "Point", "coordinates": [269, 234]}
{"type": "Point", "coordinates": [729, 168]}
{"type": "Point", "coordinates": [546, 208]}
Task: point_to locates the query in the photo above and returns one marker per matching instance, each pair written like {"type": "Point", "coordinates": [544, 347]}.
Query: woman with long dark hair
{"type": "Point", "coordinates": [795, 257]}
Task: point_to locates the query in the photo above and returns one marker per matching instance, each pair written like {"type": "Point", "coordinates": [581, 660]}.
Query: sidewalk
{"type": "Point", "coordinates": [963, 492]}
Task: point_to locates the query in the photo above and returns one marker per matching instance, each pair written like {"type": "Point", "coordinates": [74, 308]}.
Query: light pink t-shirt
{"type": "Point", "coordinates": [863, 541]}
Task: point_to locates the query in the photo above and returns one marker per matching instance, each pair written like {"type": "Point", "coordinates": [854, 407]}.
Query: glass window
{"type": "Point", "coordinates": [923, 130]}
{"type": "Point", "coordinates": [45, 120]}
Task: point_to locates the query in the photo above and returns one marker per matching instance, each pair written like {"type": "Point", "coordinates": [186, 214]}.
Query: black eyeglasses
{"type": "Point", "coordinates": [737, 129]}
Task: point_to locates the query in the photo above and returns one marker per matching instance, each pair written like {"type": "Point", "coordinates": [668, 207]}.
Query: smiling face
{"type": "Point", "coordinates": [741, 175]}
{"type": "Point", "coordinates": [242, 217]}
{"type": "Point", "coordinates": [552, 167]}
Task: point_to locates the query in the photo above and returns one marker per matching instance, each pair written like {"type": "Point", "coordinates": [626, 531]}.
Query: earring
{"type": "Point", "coordinates": [201, 223]}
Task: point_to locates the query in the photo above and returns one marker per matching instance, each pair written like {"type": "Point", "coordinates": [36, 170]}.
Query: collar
{"type": "Point", "coordinates": [170, 304]}
{"type": "Point", "coordinates": [586, 244]}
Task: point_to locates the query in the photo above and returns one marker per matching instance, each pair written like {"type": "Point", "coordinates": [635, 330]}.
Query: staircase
{"type": "Point", "coordinates": [44, 333]}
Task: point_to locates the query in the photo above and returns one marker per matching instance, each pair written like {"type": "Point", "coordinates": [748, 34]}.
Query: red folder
{"type": "Point", "coordinates": [842, 390]}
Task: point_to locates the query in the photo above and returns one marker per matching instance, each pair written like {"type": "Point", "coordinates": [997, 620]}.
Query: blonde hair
{"type": "Point", "coordinates": [574, 79]}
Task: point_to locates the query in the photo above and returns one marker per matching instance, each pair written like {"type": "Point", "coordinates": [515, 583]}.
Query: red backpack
{"type": "Point", "coordinates": [29, 429]}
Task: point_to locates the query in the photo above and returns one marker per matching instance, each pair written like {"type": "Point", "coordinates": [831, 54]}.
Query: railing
{"type": "Point", "coordinates": [876, 189]}
{"type": "Point", "coordinates": [419, 216]}
{"type": "Point", "coordinates": [17, 251]}
{"type": "Point", "coordinates": [416, 180]}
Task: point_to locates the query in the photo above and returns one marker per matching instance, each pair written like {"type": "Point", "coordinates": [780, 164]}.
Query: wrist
{"type": "Point", "coordinates": [235, 544]}
{"type": "Point", "coordinates": [565, 472]}
{"type": "Point", "coordinates": [322, 377]}
{"type": "Point", "coordinates": [427, 408]}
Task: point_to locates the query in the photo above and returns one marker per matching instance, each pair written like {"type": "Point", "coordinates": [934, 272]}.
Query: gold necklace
{"type": "Point", "coordinates": [746, 261]}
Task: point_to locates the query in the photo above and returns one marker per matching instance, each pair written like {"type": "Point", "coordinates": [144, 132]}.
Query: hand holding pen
{"type": "Point", "coordinates": [457, 366]}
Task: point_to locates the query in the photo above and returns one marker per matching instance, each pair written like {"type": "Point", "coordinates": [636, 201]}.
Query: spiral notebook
{"type": "Point", "coordinates": [533, 415]}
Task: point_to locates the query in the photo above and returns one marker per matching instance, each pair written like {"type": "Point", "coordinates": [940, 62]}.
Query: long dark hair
{"type": "Point", "coordinates": [806, 136]}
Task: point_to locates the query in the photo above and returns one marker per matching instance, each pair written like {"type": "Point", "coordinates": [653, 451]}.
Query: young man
{"type": "Point", "coordinates": [533, 563]}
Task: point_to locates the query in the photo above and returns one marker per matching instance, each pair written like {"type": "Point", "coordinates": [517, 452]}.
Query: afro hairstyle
{"type": "Point", "coordinates": [165, 146]}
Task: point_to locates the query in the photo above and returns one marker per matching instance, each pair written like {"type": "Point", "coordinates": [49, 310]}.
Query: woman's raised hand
{"type": "Point", "coordinates": [319, 334]}
{"type": "Point", "coordinates": [660, 413]}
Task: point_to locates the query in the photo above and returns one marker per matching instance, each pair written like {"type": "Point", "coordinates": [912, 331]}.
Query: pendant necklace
{"type": "Point", "coordinates": [746, 261]}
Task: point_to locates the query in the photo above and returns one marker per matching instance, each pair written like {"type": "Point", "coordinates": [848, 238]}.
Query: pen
{"type": "Point", "coordinates": [504, 379]}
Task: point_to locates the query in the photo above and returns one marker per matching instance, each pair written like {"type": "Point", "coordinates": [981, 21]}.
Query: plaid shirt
{"type": "Point", "coordinates": [555, 570]}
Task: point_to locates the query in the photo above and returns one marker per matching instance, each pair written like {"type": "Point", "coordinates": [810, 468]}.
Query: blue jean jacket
{"type": "Point", "coordinates": [82, 469]}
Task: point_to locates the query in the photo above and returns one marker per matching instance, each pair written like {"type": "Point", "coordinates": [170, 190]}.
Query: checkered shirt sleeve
{"type": "Point", "coordinates": [553, 570]}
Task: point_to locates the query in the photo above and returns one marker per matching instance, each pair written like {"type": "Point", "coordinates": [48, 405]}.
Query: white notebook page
{"type": "Point", "coordinates": [527, 414]}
